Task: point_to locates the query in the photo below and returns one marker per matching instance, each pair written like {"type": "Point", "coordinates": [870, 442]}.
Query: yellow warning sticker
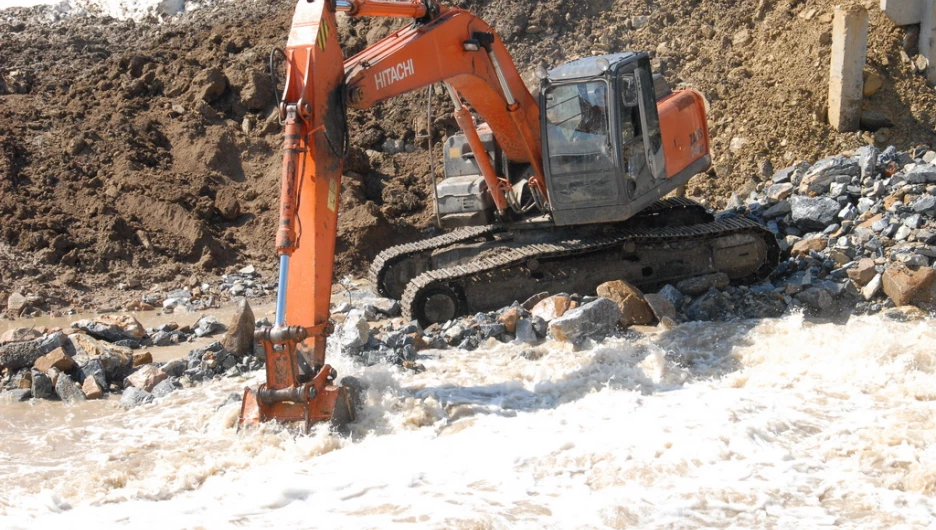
{"type": "Point", "coordinates": [322, 38]}
{"type": "Point", "coordinates": [332, 194]}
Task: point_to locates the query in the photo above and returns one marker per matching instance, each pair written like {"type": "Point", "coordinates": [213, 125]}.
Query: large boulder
{"type": "Point", "coordinates": [816, 181]}
{"type": "Point", "coordinates": [908, 286]}
{"type": "Point", "coordinates": [116, 360]}
{"type": "Point", "coordinates": [112, 328]}
{"type": "Point", "coordinates": [207, 325]}
{"type": "Point", "coordinates": [133, 397]}
{"type": "Point", "coordinates": [634, 310]}
{"type": "Point", "coordinates": [811, 214]}
{"type": "Point", "coordinates": [57, 359]}
{"type": "Point", "coordinates": [863, 272]}
{"type": "Point", "coordinates": [20, 335]}
{"type": "Point", "coordinates": [552, 307]}
{"type": "Point", "coordinates": [17, 355]}
{"type": "Point", "coordinates": [91, 389]}
{"type": "Point", "coordinates": [146, 377]}
{"type": "Point", "coordinates": [42, 386]}
{"type": "Point", "coordinates": [660, 306]}
{"type": "Point", "coordinates": [239, 337]}
{"type": "Point", "coordinates": [594, 318]}
{"type": "Point", "coordinates": [67, 390]}
{"type": "Point", "coordinates": [354, 332]}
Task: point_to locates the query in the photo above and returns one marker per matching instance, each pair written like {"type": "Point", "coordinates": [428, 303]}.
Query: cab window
{"type": "Point", "coordinates": [577, 127]}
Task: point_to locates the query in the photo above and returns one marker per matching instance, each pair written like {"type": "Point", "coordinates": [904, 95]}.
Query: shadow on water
{"type": "Point", "coordinates": [651, 364]}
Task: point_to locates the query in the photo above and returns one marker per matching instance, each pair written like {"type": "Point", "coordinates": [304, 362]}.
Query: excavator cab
{"type": "Point", "coordinates": [603, 150]}
{"type": "Point", "coordinates": [602, 147]}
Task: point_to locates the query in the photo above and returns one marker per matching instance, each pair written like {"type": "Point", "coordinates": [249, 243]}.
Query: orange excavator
{"type": "Point", "coordinates": [558, 191]}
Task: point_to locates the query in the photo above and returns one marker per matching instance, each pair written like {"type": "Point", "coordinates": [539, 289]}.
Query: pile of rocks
{"type": "Point", "coordinates": [97, 357]}
{"type": "Point", "coordinates": [563, 317]}
{"type": "Point", "coordinates": [858, 232]}
{"type": "Point", "coordinates": [195, 295]}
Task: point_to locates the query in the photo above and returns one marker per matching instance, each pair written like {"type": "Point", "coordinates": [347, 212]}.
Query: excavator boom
{"type": "Point", "coordinates": [444, 44]}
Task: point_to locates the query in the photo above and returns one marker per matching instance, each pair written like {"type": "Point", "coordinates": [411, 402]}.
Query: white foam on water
{"type": "Point", "coordinates": [778, 423]}
{"type": "Point", "coordinates": [121, 9]}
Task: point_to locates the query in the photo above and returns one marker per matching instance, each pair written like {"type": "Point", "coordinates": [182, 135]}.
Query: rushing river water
{"type": "Point", "coordinates": [769, 424]}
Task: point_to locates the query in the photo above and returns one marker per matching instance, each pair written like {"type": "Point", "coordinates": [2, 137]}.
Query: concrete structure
{"type": "Point", "coordinates": [904, 12]}
{"type": "Point", "coordinates": [928, 38]}
{"type": "Point", "coordinates": [849, 48]}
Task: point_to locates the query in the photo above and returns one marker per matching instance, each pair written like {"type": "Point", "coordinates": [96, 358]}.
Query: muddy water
{"type": "Point", "coordinates": [150, 319]}
{"type": "Point", "coordinates": [771, 424]}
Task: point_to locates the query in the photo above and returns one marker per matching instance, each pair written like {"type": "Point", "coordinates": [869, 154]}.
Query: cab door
{"type": "Point", "coordinates": [631, 155]}
{"type": "Point", "coordinates": [650, 121]}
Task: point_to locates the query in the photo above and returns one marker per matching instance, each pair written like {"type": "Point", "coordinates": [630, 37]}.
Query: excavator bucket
{"type": "Point", "coordinates": [320, 398]}
{"type": "Point", "coordinates": [334, 405]}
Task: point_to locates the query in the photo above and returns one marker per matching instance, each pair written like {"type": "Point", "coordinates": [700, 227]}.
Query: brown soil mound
{"type": "Point", "coordinates": [151, 151]}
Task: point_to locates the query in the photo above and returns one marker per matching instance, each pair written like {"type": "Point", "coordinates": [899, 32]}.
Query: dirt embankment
{"type": "Point", "coordinates": [150, 151]}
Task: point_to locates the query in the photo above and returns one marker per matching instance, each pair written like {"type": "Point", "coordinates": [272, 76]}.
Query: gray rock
{"type": "Point", "coordinates": [594, 318]}
{"type": "Point", "coordinates": [42, 386]}
{"type": "Point", "coordinates": [163, 388]}
{"type": "Point", "coordinates": [867, 160]}
{"type": "Point", "coordinates": [700, 284]}
{"type": "Point", "coordinates": [837, 189]}
{"type": "Point", "coordinates": [921, 174]}
{"type": "Point", "coordinates": [779, 192]}
{"type": "Point", "coordinates": [777, 210]}
{"type": "Point", "coordinates": [20, 394]}
{"type": "Point", "coordinates": [133, 397]}
{"type": "Point", "coordinates": [902, 233]}
{"type": "Point", "coordinates": [524, 332]}
{"type": "Point", "coordinates": [67, 390]}
{"type": "Point", "coordinates": [925, 204]}
{"type": "Point", "coordinates": [823, 173]}
{"type": "Point", "coordinates": [865, 204]}
{"type": "Point", "coordinates": [816, 298]}
{"type": "Point", "coordinates": [495, 330]}
{"type": "Point", "coordinates": [17, 355]}
{"type": "Point", "coordinates": [660, 306]}
{"type": "Point", "coordinates": [672, 294]}
{"type": "Point", "coordinates": [814, 213]}
{"type": "Point", "coordinates": [208, 325]}
{"type": "Point", "coordinates": [174, 368]}
{"type": "Point", "coordinates": [162, 338]}
{"type": "Point", "coordinates": [354, 331]}
{"type": "Point", "coordinates": [849, 212]}
{"type": "Point", "coordinates": [454, 334]}
{"type": "Point", "coordinates": [784, 175]}
{"type": "Point", "coordinates": [713, 305]}
{"type": "Point", "coordinates": [386, 306]}
{"type": "Point", "coordinates": [93, 368]}
{"type": "Point", "coordinates": [870, 290]}
{"type": "Point", "coordinates": [912, 221]}
{"type": "Point", "coordinates": [100, 330]}
{"type": "Point", "coordinates": [540, 326]}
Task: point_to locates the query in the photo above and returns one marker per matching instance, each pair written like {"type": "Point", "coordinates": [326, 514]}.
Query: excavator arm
{"type": "Point", "coordinates": [443, 45]}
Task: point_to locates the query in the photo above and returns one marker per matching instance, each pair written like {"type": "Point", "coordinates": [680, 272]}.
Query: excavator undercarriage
{"type": "Point", "coordinates": [484, 268]}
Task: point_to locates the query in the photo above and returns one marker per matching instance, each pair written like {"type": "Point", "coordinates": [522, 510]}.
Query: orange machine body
{"type": "Point", "coordinates": [683, 129]}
